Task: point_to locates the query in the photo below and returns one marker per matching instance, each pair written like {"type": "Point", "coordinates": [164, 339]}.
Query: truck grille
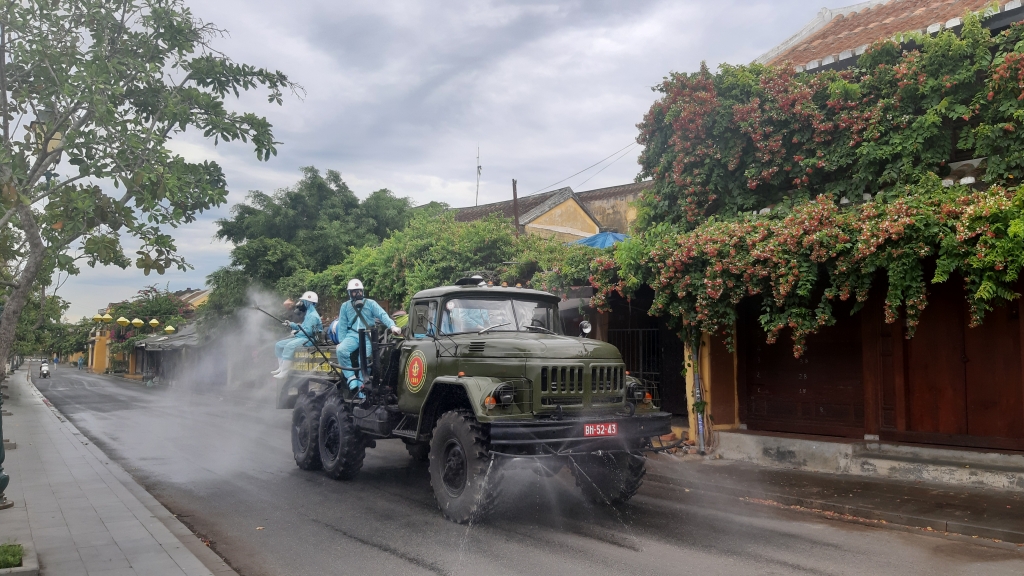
{"type": "Point", "coordinates": [606, 379]}
{"type": "Point", "coordinates": [561, 379]}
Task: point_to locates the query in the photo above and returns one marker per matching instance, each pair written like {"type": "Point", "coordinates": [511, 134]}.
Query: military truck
{"type": "Point", "coordinates": [482, 376]}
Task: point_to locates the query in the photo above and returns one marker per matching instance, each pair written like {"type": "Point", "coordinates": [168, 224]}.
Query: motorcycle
{"type": "Point", "coordinates": [44, 371]}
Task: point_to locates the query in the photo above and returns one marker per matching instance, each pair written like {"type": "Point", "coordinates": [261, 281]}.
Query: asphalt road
{"type": "Point", "coordinates": [223, 463]}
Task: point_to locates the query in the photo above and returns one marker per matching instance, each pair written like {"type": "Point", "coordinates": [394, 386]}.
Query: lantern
{"type": "Point", "coordinates": [122, 321]}
{"type": "Point", "coordinates": [97, 318]}
{"type": "Point", "coordinates": [154, 322]}
{"type": "Point", "coordinates": [137, 323]}
{"type": "Point", "coordinates": [169, 329]}
{"type": "Point", "coordinates": [106, 317]}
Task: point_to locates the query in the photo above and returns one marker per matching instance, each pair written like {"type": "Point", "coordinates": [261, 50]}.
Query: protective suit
{"type": "Point", "coordinates": [311, 325]}
{"type": "Point", "coordinates": [349, 323]}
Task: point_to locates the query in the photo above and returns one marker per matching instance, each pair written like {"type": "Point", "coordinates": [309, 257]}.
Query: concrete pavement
{"type": "Point", "coordinates": [82, 514]}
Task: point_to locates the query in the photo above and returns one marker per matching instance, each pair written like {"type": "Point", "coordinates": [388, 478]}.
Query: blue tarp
{"type": "Point", "coordinates": [602, 239]}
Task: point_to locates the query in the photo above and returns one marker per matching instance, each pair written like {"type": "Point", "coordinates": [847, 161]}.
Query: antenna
{"type": "Point", "coordinates": [479, 169]}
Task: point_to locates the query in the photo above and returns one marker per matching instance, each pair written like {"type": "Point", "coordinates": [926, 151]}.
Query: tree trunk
{"type": "Point", "coordinates": [19, 296]}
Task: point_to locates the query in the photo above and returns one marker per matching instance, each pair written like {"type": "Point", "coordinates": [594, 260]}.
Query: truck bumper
{"type": "Point", "coordinates": [549, 437]}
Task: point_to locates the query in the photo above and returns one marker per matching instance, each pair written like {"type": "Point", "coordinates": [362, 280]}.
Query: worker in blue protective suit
{"type": "Point", "coordinates": [302, 335]}
{"type": "Point", "coordinates": [358, 312]}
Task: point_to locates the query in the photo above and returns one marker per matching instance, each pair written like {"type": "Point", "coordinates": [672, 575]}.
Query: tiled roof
{"type": "Point", "coordinates": [845, 32]}
{"type": "Point", "coordinates": [526, 204]}
{"type": "Point", "coordinates": [613, 191]}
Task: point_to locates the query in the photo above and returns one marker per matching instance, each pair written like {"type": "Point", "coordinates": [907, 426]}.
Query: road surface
{"type": "Point", "coordinates": [222, 462]}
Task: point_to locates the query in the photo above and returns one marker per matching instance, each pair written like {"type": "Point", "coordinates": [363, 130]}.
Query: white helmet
{"type": "Point", "coordinates": [309, 297]}
{"type": "Point", "coordinates": [355, 284]}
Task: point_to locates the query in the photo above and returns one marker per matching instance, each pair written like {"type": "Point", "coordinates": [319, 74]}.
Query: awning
{"type": "Point", "coordinates": [186, 337]}
{"type": "Point", "coordinates": [602, 239]}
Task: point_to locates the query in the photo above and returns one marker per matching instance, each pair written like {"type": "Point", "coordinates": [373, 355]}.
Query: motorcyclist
{"type": "Point", "coordinates": [302, 335]}
{"type": "Point", "coordinates": [358, 312]}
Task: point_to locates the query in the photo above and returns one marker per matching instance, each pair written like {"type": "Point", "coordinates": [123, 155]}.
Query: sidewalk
{"type": "Point", "coordinates": [979, 512]}
{"type": "Point", "coordinates": [81, 513]}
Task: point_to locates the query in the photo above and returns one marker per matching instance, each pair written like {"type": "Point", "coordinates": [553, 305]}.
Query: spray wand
{"type": "Point", "coordinates": [308, 337]}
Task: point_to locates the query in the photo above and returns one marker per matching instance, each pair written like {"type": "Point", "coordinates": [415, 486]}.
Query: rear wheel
{"type": "Point", "coordinates": [342, 448]}
{"type": "Point", "coordinates": [305, 433]}
{"type": "Point", "coordinates": [464, 477]}
{"type": "Point", "coordinates": [608, 478]}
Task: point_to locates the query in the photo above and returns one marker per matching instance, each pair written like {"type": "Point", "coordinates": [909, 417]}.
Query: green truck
{"type": "Point", "coordinates": [483, 375]}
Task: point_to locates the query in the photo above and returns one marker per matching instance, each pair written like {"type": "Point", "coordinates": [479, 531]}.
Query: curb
{"type": "Point", "coordinates": [891, 519]}
{"type": "Point", "coordinates": [29, 562]}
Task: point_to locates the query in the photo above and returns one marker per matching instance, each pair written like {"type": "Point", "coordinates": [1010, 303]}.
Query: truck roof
{"type": "Point", "coordinates": [472, 290]}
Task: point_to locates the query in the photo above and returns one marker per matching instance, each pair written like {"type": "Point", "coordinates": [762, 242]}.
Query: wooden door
{"type": "Point", "coordinates": [995, 394]}
{"type": "Point", "coordinates": [936, 381]}
{"type": "Point", "coordinates": [819, 393]}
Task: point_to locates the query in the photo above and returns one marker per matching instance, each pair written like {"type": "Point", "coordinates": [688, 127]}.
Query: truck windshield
{"type": "Point", "coordinates": [462, 315]}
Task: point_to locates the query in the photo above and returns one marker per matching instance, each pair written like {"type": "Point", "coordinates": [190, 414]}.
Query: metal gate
{"type": "Point", "coordinates": [641, 351]}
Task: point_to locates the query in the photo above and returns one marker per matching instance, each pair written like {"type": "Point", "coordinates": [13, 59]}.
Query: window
{"type": "Point", "coordinates": [465, 315]}
{"type": "Point", "coordinates": [537, 316]}
{"type": "Point", "coordinates": [423, 315]}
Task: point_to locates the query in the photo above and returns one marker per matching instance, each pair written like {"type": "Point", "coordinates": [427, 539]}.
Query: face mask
{"type": "Point", "coordinates": [355, 295]}
{"type": "Point", "coordinates": [301, 306]}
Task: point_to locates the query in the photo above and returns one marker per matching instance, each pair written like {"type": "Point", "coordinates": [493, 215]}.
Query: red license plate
{"type": "Point", "coordinates": [610, 429]}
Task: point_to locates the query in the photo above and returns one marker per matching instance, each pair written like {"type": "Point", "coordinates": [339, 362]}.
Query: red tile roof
{"type": "Point", "coordinates": [846, 29]}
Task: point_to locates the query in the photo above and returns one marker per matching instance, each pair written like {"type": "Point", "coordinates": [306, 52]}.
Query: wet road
{"type": "Point", "coordinates": [222, 462]}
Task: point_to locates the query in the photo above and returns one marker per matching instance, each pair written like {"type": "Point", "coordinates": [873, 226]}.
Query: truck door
{"type": "Point", "coordinates": [418, 365]}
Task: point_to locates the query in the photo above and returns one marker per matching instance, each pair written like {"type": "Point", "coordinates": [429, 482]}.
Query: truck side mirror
{"type": "Point", "coordinates": [585, 329]}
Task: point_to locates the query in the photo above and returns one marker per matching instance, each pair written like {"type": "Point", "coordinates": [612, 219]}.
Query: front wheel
{"type": "Point", "coordinates": [305, 432]}
{"type": "Point", "coordinates": [464, 477]}
{"type": "Point", "coordinates": [608, 478]}
{"type": "Point", "coordinates": [342, 449]}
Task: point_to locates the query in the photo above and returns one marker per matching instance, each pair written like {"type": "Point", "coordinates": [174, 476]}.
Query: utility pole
{"type": "Point", "coordinates": [515, 206]}
{"type": "Point", "coordinates": [479, 169]}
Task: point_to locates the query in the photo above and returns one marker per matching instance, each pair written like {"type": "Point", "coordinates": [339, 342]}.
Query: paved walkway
{"type": "Point", "coordinates": [83, 514]}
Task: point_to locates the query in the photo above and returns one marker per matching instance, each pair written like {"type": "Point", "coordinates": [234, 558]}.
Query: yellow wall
{"type": "Point", "coordinates": [614, 213]}
{"type": "Point", "coordinates": [723, 385]}
{"type": "Point", "coordinates": [100, 354]}
{"type": "Point", "coordinates": [567, 221]}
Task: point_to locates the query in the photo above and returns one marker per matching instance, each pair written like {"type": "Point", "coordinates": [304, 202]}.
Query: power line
{"type": "Point", "coordinates": [585, 169]}
{"type": "Point", "coordinates": [609, 164]}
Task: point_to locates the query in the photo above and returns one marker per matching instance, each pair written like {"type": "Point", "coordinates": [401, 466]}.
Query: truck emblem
{"type": "Point", "coordinates": [416, 371]}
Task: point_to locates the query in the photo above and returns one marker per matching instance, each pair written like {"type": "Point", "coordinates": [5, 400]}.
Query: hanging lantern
{"type": "Point", "coordinates": [122, 321]}
{"type": "Point", "coordinates": [97, 318]}
{"type": "Point", "coordinates": [154, 322]}
{"type": "Point", "coordinates": [106, 317]}
{"type": "Point", "coordinates": [137, 323]}
{"type": "Point", "coordinates": [169, 329]}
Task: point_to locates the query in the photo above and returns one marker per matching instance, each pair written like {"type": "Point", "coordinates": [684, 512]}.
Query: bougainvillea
{"type": "Point", "coordinates": [807, 189]}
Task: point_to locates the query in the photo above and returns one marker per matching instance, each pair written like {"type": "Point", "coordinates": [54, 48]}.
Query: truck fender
{"type": "Point", "coordinates": [453, 394]}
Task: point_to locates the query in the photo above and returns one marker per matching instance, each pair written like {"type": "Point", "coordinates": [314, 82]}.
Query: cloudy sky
{"type": "Point", "coordinates": [399, 95]}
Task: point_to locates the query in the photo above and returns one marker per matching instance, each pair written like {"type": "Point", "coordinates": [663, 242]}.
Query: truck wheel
{"type": "Point", "coordinates": [420, 451]}
{"type": "Point", "coordinates": [464, 477]}
{"type": "Point", "coordinates": [341, 446]}
{"type": "Point", "coordinates": [609, 479]}
{"type": "Point", "coordinates": [305, 432]}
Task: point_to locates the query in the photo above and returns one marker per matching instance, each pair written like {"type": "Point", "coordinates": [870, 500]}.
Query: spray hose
{"type": "Point", "coordinates": [308, 337]}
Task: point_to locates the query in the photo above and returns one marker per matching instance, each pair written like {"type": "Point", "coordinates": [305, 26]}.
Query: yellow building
{"type": "Point", "coordinates": [564, 214]}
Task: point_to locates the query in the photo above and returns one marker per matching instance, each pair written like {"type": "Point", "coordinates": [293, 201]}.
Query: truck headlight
{"type": "Point", "coordinates": [503, 395]}
{"type": "Point", "coordinates": [635, 391]}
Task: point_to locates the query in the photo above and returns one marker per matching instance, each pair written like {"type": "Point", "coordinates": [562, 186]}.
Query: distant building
{"type": "Point", "coordinates": [565, 214]}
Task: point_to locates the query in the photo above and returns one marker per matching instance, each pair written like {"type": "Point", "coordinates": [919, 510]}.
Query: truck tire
{"type": "Point", "coordinates": [342, 448]}
{"type": "Point", "coordinates": [305, 433]}
{"type": "Point", "coordinates": [464, 477]}
{"type": "Point", "coordinates": [420, 451]}
{"type": "Point", "coordinates": [608, 478]}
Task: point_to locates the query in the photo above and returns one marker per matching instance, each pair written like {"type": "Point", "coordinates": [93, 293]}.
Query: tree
{"type": "Point", "coordinates": [150, 303]}
{"type": "Point", "coordinates": [68, 339]}
{"type": "Point", "coordinates": [109, 83]}
{"type": "Point", "coordinates": [283, 239]}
